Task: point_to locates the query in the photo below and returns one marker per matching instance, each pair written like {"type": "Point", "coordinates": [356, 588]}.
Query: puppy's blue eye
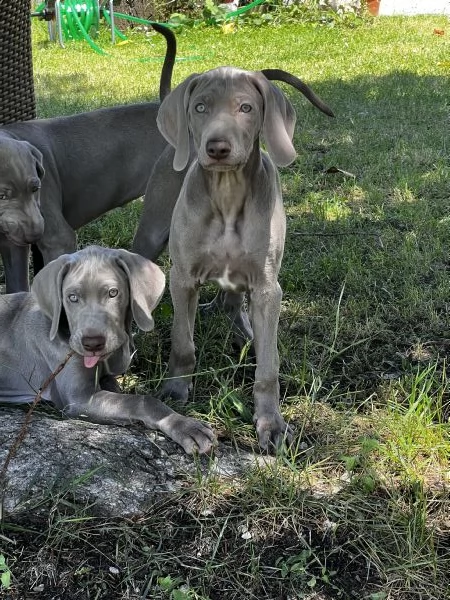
{"type": "Point", "coordinates": [246, 108]}
{"type": "Point", "coordinates": [73, 298]}
{"type": "Point", "coordinates": [113, 292]}
{"type": "Point", "coordinates": [200, 107]}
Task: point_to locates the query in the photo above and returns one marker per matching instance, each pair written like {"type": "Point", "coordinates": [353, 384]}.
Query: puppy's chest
{"type": "Point", "coordinates": [226, 257]}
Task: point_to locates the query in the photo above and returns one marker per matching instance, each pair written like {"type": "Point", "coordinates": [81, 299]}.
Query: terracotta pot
{"type": "Point", "coordinates": [373, 6]}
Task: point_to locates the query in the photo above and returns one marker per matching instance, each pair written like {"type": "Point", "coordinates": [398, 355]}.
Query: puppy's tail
{"type": "Point", "coordinates": [165, 83]}
{"type": "Point", "coordinates": [298, 84]}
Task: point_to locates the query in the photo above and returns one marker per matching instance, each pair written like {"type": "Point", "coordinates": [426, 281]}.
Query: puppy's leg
{"type": "Point", "coordinates": [182, 353]}
{"type": "Point", "coordinates": [124, 409]}
{"type": "Point", "coordinates": [232, 304]}
{"type": "Point", "coordinates": [59, 237]}
{"type": "Point", "coordinates": [15, 264]}
{"type": "Point", "coordinates": [162, 191]}
{"type": "Point", "coordinates": [233, 307]}
{"type": "Point", "coordinates": [110, 384]}
{"type": "Point", "coordinates": [54, 248]}
{"type": "Point", "coordinates": [270, 426]}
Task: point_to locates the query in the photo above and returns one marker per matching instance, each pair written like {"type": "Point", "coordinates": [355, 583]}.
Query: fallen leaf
{"type": "Point", "coordinates": [229, 27]}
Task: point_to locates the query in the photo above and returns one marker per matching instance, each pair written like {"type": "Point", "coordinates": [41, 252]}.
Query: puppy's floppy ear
{"type": "Point", "coordinates": [47, 289]}
{"type": "Point", "coordinates": [172, 120]}
{"type": "Point", "coordinates": [278, 123]}
{"type": "Point", "coordinates": [146, 281]}
{"type": "Point", "coordinates": [39, 159]}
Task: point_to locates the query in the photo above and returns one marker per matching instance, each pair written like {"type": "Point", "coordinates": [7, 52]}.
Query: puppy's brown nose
{"type": "Point", "coordinates": [218, 149]}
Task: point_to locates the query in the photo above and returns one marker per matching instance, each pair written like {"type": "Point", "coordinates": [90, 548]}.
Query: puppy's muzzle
{"type": "Point", "coordinates": [22, 234]}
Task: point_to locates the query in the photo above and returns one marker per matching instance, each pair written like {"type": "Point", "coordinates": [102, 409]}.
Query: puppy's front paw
{"type": "Point", "coordinates": [193, 436]}
{"type": "Point", "coordinates": [272, 431]}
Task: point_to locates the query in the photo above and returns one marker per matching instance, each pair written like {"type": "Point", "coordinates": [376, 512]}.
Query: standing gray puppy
{"type": "Point", "coordinates": [229, 224]}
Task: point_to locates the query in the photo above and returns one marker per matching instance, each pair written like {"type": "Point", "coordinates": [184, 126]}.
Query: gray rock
{"type": "Point", "coordinates": [115, 471]}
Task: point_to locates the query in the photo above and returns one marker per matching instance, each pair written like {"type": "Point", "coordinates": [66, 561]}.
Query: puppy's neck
{"type": "Point", "coordinates": [228, 190]}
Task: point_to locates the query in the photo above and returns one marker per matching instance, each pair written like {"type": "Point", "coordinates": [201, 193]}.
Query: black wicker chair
{"type": "Point", "coordinates": [17, 100]}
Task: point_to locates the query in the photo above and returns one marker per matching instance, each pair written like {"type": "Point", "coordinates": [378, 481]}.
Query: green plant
{"type": "Point", "coordinates": [5, 573]}
{"type": "Point", "coordinates": [313, 12]}
{"type": "Point", "coordinates": [174, 588]}
{"type": "Point", "coordinates": [275, 12]}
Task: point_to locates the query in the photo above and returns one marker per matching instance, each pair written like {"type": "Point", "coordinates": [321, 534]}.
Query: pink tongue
{"type": "Point", "coordinates": [91, 361]}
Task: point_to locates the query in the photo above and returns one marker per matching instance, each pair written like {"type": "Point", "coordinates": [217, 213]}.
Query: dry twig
{"type": "Point", "coordinates": [21, 435]}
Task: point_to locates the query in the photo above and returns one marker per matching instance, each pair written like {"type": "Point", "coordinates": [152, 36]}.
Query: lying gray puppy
{"type": "Point", "coordinates": [86, 302]}
{"type": "Point", "coordinates": [93, 162]}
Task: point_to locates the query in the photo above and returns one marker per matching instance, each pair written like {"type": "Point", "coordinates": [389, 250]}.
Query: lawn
{"type": "Point", "coordinates": [359, 506]}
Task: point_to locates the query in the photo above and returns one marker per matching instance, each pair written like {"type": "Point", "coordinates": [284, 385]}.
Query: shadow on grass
{"type": "Point", "coordinates": [268, 535]}
{"type": "Point", "coordinates": [379, 237]}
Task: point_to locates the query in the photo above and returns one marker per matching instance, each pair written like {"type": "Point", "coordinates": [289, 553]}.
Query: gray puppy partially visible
{"type": "Point", "coordinates": [59, 174]}
{"type": "Point", "coordinates": [85, 302]}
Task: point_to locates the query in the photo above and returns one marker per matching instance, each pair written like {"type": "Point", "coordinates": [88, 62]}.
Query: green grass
{"type": "Point", "coordinates": [359, 507]}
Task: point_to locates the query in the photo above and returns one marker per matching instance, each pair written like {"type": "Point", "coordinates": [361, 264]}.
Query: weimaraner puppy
{"type": "Point", "coordinates": [93, 162]}
{"type": "Point", "coordinates": [164, 183]}
{"type": "Point", "coordinates": [85, 302]}
{"type": "Point", "coordinates": [228, 223]}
